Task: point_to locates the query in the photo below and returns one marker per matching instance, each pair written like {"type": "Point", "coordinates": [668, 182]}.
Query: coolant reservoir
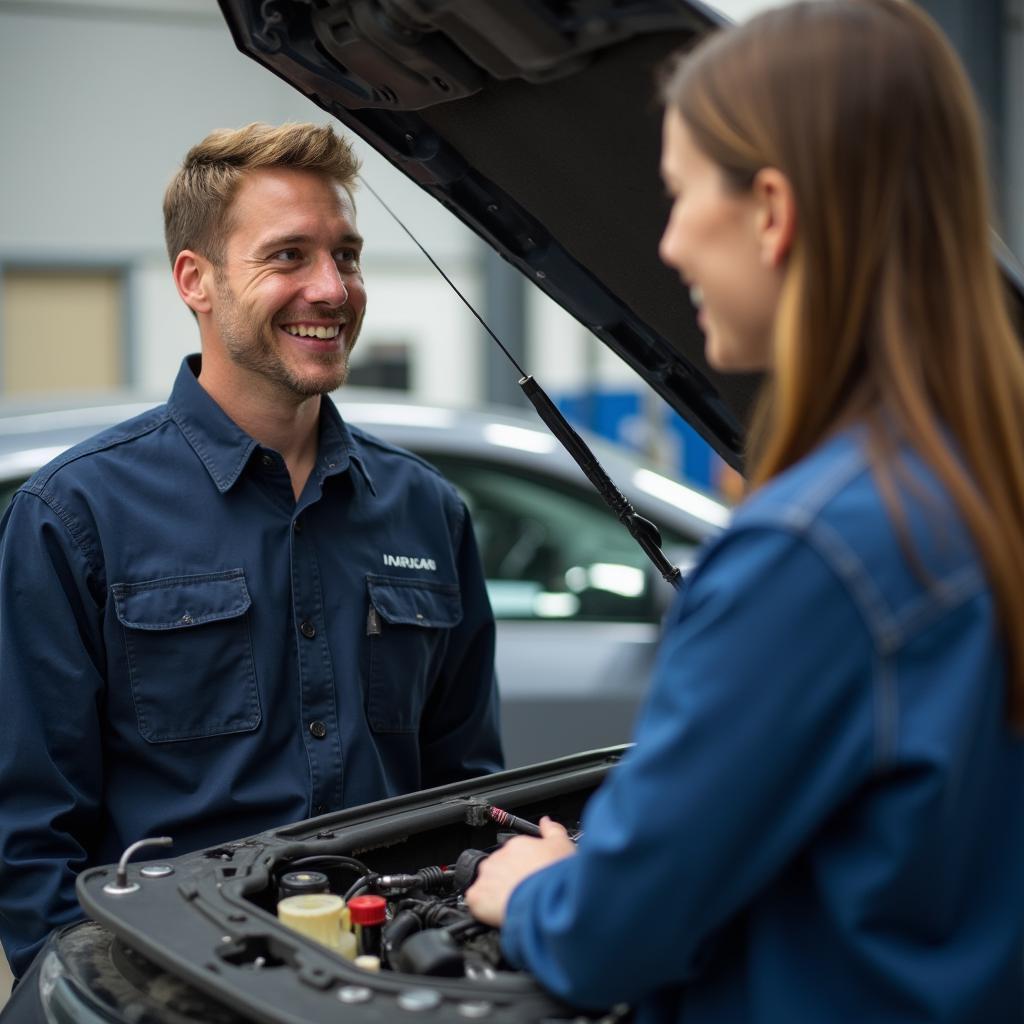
{"type": "Point", "coordinates": [321, 916]}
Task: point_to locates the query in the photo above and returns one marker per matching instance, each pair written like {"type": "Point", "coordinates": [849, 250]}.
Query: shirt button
{"type": "Point", "coordinates": [297, 526]}
{"type": "Point", "coordinates": [308, 630]}
{"type": "Point", "coordinates": [317, 729]}
{"type": "Point", "coordinates": [267, 460]}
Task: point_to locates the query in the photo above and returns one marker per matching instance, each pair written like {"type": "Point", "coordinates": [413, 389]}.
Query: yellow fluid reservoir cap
{"type": "Point", "coordinates": [315, 914]}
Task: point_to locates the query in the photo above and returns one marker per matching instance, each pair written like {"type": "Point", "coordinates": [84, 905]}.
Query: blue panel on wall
{"type": "Point", "coordinates": [613, 415]}
{"type": "Point", "coordinates": [698, 458]}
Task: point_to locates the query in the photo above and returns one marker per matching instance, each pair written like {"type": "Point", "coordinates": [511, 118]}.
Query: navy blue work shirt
{"type": "Point", "coordinates": [823, 817]}
{"type": "Point", "coordinates": [188, 651]}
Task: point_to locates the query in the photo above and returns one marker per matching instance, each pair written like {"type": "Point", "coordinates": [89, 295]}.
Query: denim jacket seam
{"type": "Point", "coordinates": [883, 627]}
{"type": "Point", "coordinates": [812, 500]}
{"type": "Point", "coordinates": [75, 532]}
{"type": "Point", "coordinates": [100, 443]}
{"type": "Point", "coordinates": [171, 582]}
{"type": "Point", "coordinates": [850, 569]}
{"type": "Point", "coordinates": [939, 597]}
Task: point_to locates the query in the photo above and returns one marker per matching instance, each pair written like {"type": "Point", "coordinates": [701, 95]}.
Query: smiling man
{"type": "Point", "coordinates": [234, 611]}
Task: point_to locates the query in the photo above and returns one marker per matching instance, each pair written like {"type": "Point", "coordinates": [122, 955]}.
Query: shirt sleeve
{"type": "Point", "coordinates": [51, 687]}
{"type": "Point", "coordinates": [757, 726]}
{"type": "Point", "coordinates": [460, 734]}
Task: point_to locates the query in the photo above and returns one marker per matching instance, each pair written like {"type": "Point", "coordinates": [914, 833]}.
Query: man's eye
{"type": "Point", "coordinates": [350, 257]}
{"type": "Point", "coordinates": [286, 255]}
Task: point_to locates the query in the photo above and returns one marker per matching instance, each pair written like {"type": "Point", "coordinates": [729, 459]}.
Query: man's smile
{"type": "Point", "coordinates": [312, 330]}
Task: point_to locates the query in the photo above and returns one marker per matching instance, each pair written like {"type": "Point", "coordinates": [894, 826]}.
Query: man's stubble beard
{"type": "Point", "coordinates": [253, 347]}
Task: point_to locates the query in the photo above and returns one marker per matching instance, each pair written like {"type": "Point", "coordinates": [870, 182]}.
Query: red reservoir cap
{"type": "Point", "coordinates": [367, 909]}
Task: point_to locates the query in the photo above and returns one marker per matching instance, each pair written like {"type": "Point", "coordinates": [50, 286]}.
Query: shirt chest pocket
{"type": "Point", "coordinates": [190, 659]}
{"type": "Point", "coordinates": [407, 628]}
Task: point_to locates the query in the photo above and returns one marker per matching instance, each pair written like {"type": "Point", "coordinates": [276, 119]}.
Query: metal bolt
{"type": "Point", "coordinates": [475, 1010]}
{"type": "Point", "coordinates": [353, 994]}
{"type": "Point", "coordinates": [416, 1000]}
{"type": "Point", "coordinates": [156, 871]}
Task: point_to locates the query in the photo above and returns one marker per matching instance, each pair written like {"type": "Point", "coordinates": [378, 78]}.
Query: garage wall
{"type": "Point", "coordinates": [101, 101]}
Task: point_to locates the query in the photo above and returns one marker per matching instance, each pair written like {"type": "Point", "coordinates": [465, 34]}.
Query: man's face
{"type": "Point", "coordinates": [289, 298]}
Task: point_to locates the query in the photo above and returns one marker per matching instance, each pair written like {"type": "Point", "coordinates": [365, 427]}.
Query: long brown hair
{"type": "Point", "coordinates": [892, 310]}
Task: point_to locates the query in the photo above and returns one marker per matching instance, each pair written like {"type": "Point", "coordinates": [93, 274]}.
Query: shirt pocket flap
{"type": "Point", "coordinates": [402, 602]}
{"type": "Point", "coordinates": [182, 601]}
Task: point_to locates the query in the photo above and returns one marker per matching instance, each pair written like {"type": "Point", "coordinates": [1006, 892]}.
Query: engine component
{"type": "Point", "coordinates": [466, 868]}
{"type": "Point", "coordinates": [316, 915]}
{"type": "Point", "coordinates": [300, 883]}
{"type": "Point", "coordinates": [368, 915]}
{"type": "Point", "coordinates": [431, 952]}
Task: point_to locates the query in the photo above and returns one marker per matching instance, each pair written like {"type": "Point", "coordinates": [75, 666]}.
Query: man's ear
{"type": "Point", "coordinates": [193, 277]}
{"type": "Point", "coordinates": [776, 215]}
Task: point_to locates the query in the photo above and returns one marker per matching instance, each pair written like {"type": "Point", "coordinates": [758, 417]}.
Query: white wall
{"type": "Point", "coordinates": [102, 99]}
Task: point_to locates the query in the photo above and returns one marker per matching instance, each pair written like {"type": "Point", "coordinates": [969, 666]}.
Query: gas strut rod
{"type": "Point", "coordinates": [644, 532]}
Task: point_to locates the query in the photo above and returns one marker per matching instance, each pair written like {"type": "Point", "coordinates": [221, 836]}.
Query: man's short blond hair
{"type": "Point", "coordinates": [197, 204]}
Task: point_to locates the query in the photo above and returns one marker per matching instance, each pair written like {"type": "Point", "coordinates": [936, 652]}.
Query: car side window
{"type": "Point", "coordinates": [554, 552]}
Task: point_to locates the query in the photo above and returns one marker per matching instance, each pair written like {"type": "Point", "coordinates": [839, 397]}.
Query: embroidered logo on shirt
{"type": "Point", "coordinates": [405, 562]}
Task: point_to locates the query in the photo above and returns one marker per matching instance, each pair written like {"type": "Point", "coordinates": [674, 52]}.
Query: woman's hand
{"type": "Point", "coordinates": [503, 870]}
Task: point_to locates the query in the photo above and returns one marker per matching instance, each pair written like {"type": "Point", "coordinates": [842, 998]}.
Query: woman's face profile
{"type": "Point", "coordinates": [715, 239]}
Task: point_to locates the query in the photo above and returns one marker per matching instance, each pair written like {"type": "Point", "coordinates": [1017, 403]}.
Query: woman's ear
{"type": "Point", "coordinates": [776, 215]}
{"type": "Point", "coordinates": [192, 277]}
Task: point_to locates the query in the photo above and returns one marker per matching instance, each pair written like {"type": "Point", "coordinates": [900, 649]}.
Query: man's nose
{"type": "Point", "coordinates": [326, 283]}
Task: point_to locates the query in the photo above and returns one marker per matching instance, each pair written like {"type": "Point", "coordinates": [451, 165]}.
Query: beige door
{"type": "Point", "coordinates": [63, 330]}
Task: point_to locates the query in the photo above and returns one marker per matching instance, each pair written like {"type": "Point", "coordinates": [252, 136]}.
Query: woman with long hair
{"type": "Point", "coordinates": [823, 816]}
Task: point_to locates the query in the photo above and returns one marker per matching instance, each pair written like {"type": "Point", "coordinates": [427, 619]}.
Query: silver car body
{"type": "Point", "coordinates": [567, 683]}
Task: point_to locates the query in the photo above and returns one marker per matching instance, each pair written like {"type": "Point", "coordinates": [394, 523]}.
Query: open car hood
{"type": "Point", "coordinates": [195, 938]}
{"type": "Point", "coordinates": [535, 123]}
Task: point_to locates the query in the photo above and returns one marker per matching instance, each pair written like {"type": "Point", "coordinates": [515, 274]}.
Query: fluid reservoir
{"type": "Point", "coordinates": [299, 883]}
{"type": "Point", "coordinates": [319, 916]}
{"type": "Point", "coordinates": [368, 913]}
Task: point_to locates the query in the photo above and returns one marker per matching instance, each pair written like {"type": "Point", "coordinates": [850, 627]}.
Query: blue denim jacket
{"type": "Point", "coordinates": [823, 817]}
{"type": "Point", "coordinates": [188, 651]}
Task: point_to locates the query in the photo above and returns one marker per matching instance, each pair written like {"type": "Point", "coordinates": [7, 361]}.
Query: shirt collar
{"type": "Point", "coordinates": [338, 445]}
{"type": "Point", "coordinates": [225, 449]}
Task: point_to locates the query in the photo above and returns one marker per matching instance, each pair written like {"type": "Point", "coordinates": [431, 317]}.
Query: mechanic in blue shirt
{"type": "Point", "coordinates": [823, 816]}
{"type": "Point", "coordinates": [234, 611]}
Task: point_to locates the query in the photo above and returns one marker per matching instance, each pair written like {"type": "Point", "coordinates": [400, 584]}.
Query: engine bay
{"type": "Point", "coordinates": [362, 909]}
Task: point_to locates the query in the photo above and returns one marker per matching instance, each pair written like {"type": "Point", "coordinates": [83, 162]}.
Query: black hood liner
{"type": "Point", "coordinates": [510, 159]}
{"type": "Point", "coordinates": [569, 95]}
{"type": "Point", "coordinates": [539, 145]}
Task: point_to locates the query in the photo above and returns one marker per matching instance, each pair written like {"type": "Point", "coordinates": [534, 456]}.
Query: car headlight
{"type": "Point", "coordinates": [60, 998]}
